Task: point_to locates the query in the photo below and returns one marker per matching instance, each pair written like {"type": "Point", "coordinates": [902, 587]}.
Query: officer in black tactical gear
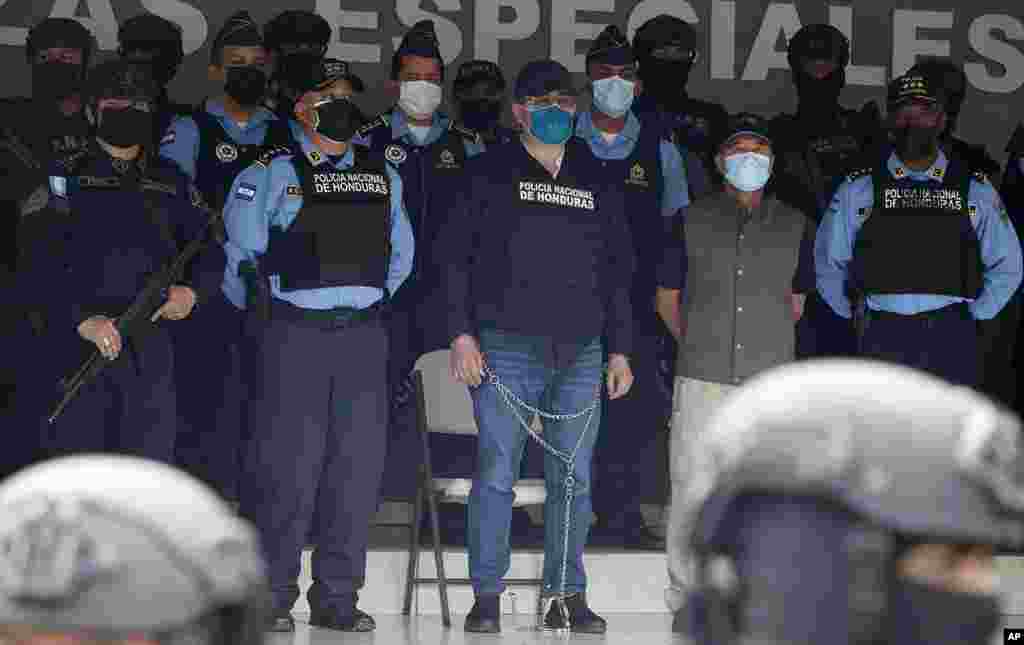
{"type": "Point", "coordinates": [816, 148]}
{"type": "Point", "coordinates": [157, 42]}
{"type": "Point", "coordinates": [35, 132]}
{"type": "Point", "coordinates": [851, 502]}
{"type": "Point", "coordinates": [944, 73]}
{"type": "Point", "coordinates": [292, 32]}
{"type": "Point", "coordinates": [115, 550]}
{"type": "Point", "coordinates": [665, 48]}
{"type": "Point", "coordinates": [479, 93]}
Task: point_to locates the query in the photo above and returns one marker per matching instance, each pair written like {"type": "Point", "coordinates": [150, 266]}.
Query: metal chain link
{"type": "Point", "coordinates": [514, 402]}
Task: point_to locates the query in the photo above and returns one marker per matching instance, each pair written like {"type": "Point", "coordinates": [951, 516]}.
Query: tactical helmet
{"type": "Point", "coordinates": [118, 547]}
{"type": "Point", "coordinates": [913, 454]}
{"type": "Point", "coordinates": [818, 42]}
{"type": "Point", "coordinates": [297, 27]}
{"type": "Point", "coordinates": [59, 32]}
{"type": "Point", "coordinates": [157, 39]}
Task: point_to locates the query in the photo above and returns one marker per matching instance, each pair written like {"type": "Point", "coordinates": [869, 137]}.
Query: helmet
{"type": "Point", "coordinates": [158, 40]}
{"type": "Point", "coordinates": [819, 42]}
{"type": "Point", "coordinates": [296, 27]}
{"type": "Point", "coordinates": [874, 438]}
{"type": "Point", "coordinates": [120, 546]}
{"type": "Point", "coordinates": [59, 32]}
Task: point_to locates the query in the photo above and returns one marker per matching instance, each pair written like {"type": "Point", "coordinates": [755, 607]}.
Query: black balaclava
{"type": "Point", "coordinates": [151, 40]}
{"type": "Point", "coordinates": [478, 91]}
{"type": "Point", "coordinates": [818, 97]}
{"type": "Point", "coordinates": [53, 81]}
{"type": "Point", "coordinates": [666, 49]}
{"type": "Point", "coordinates": [122, 79]}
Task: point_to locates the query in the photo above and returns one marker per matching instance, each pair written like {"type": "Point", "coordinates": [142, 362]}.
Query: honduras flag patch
{"type": "Point", "coordinates": [245, 191]}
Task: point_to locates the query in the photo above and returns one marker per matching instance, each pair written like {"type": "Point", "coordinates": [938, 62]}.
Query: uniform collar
{"type": "Point", "coordinates": [216, 109]}
{"type": "Point", "coordinates": [586, 129]}
{"type": "Point", "coordinates": [765, 213]}
{"type": "Point", "coordinates": [312, 152]}
{"type": "Point", "coordinates": [400, 127]}
{"type": "Point", "coordinates": [936, 172]}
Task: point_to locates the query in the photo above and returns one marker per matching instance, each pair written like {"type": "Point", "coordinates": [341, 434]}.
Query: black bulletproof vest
{"type": "Point", "coordinates": [341, 236]}
{"type": "Point", "coordinates": [221, 159]}
{"type": "Point", "coordinates": [918, 238]}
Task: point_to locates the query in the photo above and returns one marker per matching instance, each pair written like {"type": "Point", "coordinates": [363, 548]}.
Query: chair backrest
{"type": "Point", "coordinates": [449, 406]}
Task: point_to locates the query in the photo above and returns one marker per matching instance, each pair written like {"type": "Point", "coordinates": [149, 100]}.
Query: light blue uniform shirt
{"type": "Point", "coordinates": [259, 200]}
{"type": "Point", "coordinates": [181, 144]}
{"type": "Point", "coordinates": [1000, 247]}
{"type": "Point", "coordinates": [400, 129]}
{"type": "Point", "coordinates": [675, 193]}
{"type": "Point", "coordinates": [181, 141]}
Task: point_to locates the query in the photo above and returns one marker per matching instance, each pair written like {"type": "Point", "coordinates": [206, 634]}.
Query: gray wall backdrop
{"type": "Point", "coordinates": [742, 62]}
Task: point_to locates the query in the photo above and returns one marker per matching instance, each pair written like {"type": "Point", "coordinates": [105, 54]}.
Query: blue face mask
{"type": "Point", "coordinates": [551, 125]}
{"type": "Point", "coordinates": [614, 95]}
{"type": "Point", "coordinates": [748, 171]}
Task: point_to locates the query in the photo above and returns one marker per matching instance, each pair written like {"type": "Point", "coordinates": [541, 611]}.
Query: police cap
{"type": "Point", "coordinates": [296, 30]}
{"type": "Point", "coordinates": [301, 73]}
{"type": "Point", "coordinates": [665, 32]}
{"type": "Point", "coordinates": [818, 42]}
{"type": "Point", "coordinates": [420, 41]}
{"type": "Point", "coordinates": [59, 33]}
{"type": "Point", "coordinates": [746, 124]}
{"type": "Point", "coordinates": [911, 88]}
{"type": "Point", "coordinates": [119, 547]}
{"type": "Point", "coordinates": [611, 47]}
{"type": "Point", "coordinates": [240, 30]}
{"type": "Point", "coordinates": [542, 77]}
{"type": "Point", "coordinates": [945, 74]}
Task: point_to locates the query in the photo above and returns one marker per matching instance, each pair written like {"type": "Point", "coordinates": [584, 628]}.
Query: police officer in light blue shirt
{"type": "Point", "coordinates": [928, 244]}
{"type": "Point", "coordinates": [321, 225]}
{"type": "Point", "coordinates": [220, 139]}
{"type": "Point", "coordinates": [646, 165]}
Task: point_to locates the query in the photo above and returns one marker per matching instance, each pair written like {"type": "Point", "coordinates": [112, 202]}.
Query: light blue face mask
{"type": "Point", "coordinates": [748, 171]}
{"type": "Point", "coordinates": [551, 125]}
{"type": "Point", "coordinates": [614, 95]}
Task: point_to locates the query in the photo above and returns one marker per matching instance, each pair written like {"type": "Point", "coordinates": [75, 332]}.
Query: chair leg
{"type": "Point", "coordinates": [442, 580]}
{"type": "Point", "coordinates": [414, 550]}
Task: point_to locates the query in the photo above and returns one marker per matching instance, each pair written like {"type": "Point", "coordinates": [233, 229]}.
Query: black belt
{"type": "Point", "coordinates": [329, 318]}
{"type": "Point", "coordinates": [958, 308]}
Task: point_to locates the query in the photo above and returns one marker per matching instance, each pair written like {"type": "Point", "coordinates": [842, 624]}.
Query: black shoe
{"type": "Point", "coordinates": [355, 621]}
{"type": "Point", "coordinates": [281, 623]}
{"type": "Point", "coordinates": [485, 616]}
{"type": "Point", "coordinates": [581, 619]}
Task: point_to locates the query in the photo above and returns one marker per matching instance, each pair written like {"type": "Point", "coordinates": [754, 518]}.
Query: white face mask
{"type": "Point", "coordinates": [748, 171]}
{"type": "Point", "coordinates": [420, 99]}
{"type": "Point", "coordinates": [614, 95]}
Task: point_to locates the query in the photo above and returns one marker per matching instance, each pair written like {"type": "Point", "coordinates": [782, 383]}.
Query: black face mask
{"type": "Point", "coordinates": [55, 81]}
{"type": "Point", "coordinates": [338, 120]}
{"type": "Point", "coordinates": [125, 128]}
{"type": "Point", "coordinates": [920, 615]}
{"type": "Point", "coordinates": [914, 143]}
{"type": "Point", "coordinates": [480, 114]}
{"type": "Point", "coordinates": [665, 80]}
{"type": "Point", "coordinates": [247, 85]}
{"type": "Point", "coordinates": [819, 94]}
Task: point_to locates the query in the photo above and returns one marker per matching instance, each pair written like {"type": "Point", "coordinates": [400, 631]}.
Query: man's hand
{"type": "Point", "coordinates": [797, 301]}
{"type": "Point", "coordinates": [467, 361]}
{"type": "Point", "coordinates": [101, 331]}
{"type": "Point", "coordinates": [620, 376]}
{"type": "Point", "coordinates": [180, 301]}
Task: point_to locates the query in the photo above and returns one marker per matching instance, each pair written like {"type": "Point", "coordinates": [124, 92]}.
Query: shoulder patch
{"type": "Point", "coordinates": [395, 154]}
{"type": "Point", "coordinates": [245, 191]}
{"type": "Point", "coordinates": [294, 191]}
{"type": "Point", "coordinates": [271, 153]}
{"type": "Point", "coordinates": [377, 122]}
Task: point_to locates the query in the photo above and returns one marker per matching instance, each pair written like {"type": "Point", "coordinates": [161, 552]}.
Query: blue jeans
{"type": "Point", "coordinates": [556, 378]}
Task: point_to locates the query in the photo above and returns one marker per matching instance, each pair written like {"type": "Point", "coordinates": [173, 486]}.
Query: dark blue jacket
{"type": "Point", "coordinates": [530, 254]}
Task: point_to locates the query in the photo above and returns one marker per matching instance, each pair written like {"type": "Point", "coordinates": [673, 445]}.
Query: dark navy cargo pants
{"type": "Point", "coordinates": [943, 342]}
{"type": "Point", "coordinates": [316, 450]}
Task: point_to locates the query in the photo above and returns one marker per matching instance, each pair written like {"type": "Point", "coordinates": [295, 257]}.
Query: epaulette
{"type": "Point", "coordinates": [269, 154]}
{"type": "Point", "coordinates": [859, 174]}
{"type": "Point", "coordinates": [378, 121]}
{"type": "Point", "coordinates": [470, 135]}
